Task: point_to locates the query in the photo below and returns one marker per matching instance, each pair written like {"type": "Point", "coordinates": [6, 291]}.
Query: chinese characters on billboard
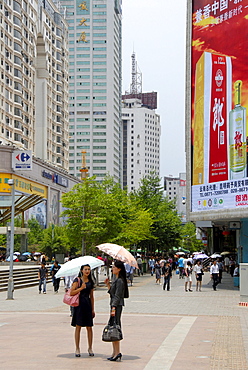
{"type": "Point", "coordinates": [219, 130]}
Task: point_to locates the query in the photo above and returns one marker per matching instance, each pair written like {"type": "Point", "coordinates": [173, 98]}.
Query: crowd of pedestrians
{"type": "Point", "coordinates": [185, 266]}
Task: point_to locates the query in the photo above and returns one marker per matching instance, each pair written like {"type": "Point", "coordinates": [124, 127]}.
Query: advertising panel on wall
{"type": "Point", "coordinates": [219, 127]}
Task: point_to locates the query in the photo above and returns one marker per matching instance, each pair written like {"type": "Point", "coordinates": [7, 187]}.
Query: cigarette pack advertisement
{"type": "Point", "coordinates": [219, 79]}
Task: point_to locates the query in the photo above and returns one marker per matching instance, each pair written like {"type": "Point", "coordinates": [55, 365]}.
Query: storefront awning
{"type": "Point", "coordinates": [22, 203]}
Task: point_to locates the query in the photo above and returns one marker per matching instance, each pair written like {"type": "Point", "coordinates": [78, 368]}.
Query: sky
{"type": "Point", "coordinates": [156, 31]}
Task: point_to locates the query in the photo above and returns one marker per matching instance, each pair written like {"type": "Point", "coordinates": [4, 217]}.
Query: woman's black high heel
{"type": "Point", "coordinates": [116, 358]}
{"type": "Point", "coordinates": [91, 354]}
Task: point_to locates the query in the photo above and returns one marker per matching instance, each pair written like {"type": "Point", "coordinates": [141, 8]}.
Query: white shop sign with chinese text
{"type": "Point", "coordinates": [220, 195]}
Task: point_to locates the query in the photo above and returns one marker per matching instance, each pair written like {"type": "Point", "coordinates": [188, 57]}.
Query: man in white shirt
{"type": "Point", "coordinates": [214, 273]}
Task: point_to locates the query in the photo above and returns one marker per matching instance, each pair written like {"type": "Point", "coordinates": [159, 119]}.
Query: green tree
{"type": "Point", "coordinates": [189, 241]}
{"type": "Point", "coordinates": [166, 226]}
{"type": "Point", "coordinates": [150, 193]}
{"type": "Point", "coordinates": [103, 212]}
{"type": "Point", "coordinates": [55, 240]}
{"type": "Point", "coordinates": [136, 227]}
{"type": "Point", "coordinates": [35, 236]}
{"type": "Point", "coordinates": [82, 206]}
{"type": "Point", "coordinates": [3, 240]}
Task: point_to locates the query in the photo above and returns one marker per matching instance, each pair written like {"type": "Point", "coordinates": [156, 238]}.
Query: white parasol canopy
{"type": "Point", "coordinates": [119, 253]}
{"type": "Point", "coordinates": [72, 267]}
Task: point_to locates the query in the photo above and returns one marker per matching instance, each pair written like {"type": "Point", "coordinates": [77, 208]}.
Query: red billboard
{"type": "Point", "coordinates": [219, 131]}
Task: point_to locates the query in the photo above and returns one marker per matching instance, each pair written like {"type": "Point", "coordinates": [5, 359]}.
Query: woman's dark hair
{"type": "Point", "coordinates": [90, 276]}
{"type": "Point", "coordinates": [123, 276]}
{"type": "Point", "coordinates": [189, 263]}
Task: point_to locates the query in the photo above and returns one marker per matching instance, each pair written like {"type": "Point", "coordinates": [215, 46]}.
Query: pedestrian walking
{"type": "Point", "coordinates": [139, 262]}
{"type": "Point", "coordinates": [129, 273]}
{"type": "Point", "coordinates": [167, 274]}
{"type": "Point", "coordinates": [43, 258]}
{"type": "Point", "coordinates": [221, 267]}
{"type": "Point", "coordinates": [188, 276]}
{"type": "Point", "coordinates": [232, 265]}
{"type": "Point", "coordinates": [42, 276]}
{"type": "Point", "coordinates": [118, 290]}
{"type": "Point", "coordinates": [226, 263]}
{"type": "Point", "coordinates": [83, 314]}
{"type": "Point", "coordinates": [236, 271]}
{"type": "Point", "coordinates": [214, 273]}
{"type": "Point", "coordinates": [151, 264]}
{"type": "Point", "coordinates": [158, 272]}
{"type": "Point", "coordinates": [56, 281]}
{"type": "Point", "coordinates": [181, 267]}
{"type": "Point", "coordinates": [198, 274]}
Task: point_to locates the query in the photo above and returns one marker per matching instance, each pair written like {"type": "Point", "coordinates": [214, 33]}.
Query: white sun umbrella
{"type": "Point", "coordinates": [216, 255]}
{"type": "Point", "coordinates": [119, 253]}
{"type": "Point", "coordinates": [72, 267]}
{"type": "Point", "coordinates": [200, 256]}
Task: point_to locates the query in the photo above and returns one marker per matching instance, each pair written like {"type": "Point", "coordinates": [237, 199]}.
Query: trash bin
{"type": "Point", "coordinates": [144, 267]}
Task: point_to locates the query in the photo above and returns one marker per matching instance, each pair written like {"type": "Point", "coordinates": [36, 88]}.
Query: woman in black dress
{"type": "Point", "coordinates": [118, 291]}
{"type": "Point", "coordinates": [84, 313]}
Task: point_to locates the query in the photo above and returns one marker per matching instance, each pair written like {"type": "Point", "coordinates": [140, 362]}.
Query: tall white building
{"type": "Point", "coordinates": [34, 80]}
{"type": "Point", "coordinates": [95, 86]}
{"type": "Point", "coordinates": [175, 188]}
{"type": "Point", "coordinates": [141, 142]}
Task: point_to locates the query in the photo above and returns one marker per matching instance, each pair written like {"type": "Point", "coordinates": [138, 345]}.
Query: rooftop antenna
{"type": "Point", "coordinates": [136, 85]}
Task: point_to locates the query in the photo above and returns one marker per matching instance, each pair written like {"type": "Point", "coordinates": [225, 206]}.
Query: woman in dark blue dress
{"type": "Point", "coordinates": [84, 313]}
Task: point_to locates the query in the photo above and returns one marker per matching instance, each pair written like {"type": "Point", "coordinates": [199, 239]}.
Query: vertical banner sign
{"type": "Point", "coordinates": [219, 127]}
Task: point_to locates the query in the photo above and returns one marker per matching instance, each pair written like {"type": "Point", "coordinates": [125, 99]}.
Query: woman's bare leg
{"type": "Point", "coordinates": [77, 338]}
{"type": "Point", "coordinates": [116, 348]}
{"type": "Point", "coordinates": [90, 337]}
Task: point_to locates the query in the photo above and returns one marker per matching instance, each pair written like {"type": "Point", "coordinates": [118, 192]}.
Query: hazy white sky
{"type": "Point", "coordinates": [156, 31]}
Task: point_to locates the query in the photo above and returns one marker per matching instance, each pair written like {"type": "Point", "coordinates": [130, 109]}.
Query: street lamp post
{"type": "Point", "coordinates": [12, 231]}
{"type": "Point", "coordinates": [83, 241]}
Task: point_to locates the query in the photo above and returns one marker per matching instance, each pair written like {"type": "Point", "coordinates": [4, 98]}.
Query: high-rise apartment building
{"type": "Point", "coordinates": [141, 142]}
{"type": "Point", "coordinates": [175, 188]}
{"type": "Point", "coordinates": [34, 80]}
{"type": "Point", "coordinates": [95, 86]}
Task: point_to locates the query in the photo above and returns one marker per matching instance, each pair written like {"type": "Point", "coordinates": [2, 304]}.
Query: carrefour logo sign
{"type": "Point", "coordinates": [22, 160]}
{"type": "Point", "coordinates": [23, 157]}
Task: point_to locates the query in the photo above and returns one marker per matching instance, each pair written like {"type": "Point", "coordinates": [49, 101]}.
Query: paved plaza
{"type": "Point", "coordinates": [162, 330]}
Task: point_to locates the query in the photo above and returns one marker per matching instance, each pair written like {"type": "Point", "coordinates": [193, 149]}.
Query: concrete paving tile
{"type": "Point", "coordinates": [38, 328]}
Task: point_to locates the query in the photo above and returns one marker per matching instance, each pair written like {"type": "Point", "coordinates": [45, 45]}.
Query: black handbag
{"type": "Point", "coordinates": [112, 333]}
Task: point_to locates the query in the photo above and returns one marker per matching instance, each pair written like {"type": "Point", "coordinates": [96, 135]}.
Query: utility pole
{"type": "Point", "coordinates": [12, 231]}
